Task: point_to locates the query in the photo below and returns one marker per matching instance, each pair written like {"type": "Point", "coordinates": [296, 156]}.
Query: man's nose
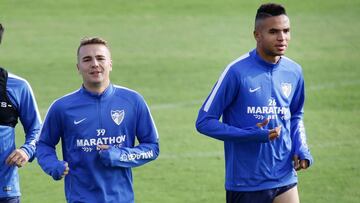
{"type": "Point", "coordinates": [94, 63]}
{"type": "Point", "coordinates": [281, 36]}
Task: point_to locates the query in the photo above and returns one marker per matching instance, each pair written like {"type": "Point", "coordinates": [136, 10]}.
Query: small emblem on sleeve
{"type": "Point", "coordinates": [117, 116]}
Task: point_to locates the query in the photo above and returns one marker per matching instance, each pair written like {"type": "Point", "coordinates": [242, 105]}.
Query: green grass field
{"type": "Point", "coordinates": [172, 52]}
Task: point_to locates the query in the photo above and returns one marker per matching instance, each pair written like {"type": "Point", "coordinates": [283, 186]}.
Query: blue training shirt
{"type": "Point", "coordinates": [83, 120]}
{"type": "Point", "coordinates": [249, 91]}
{"type": "Point", "coordinates": [22, 97]}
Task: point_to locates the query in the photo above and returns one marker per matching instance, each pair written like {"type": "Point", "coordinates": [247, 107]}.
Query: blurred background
{"type": "Point", "coordinates": [172, 52]}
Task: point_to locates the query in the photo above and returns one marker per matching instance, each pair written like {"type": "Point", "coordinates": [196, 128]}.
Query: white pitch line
{"type": "Point", "coordinates": [333, 85]}
{"type": "Point", "coordinates": [198, 102]}
{"type": "Point", "coordinates": [189, 155]}
{"type": "Point", "coordinates": [220, 154]}
{"type": "Point", "coordinates": [176, 105]}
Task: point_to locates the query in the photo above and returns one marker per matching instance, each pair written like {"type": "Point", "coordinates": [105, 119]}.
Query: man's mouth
{"type": "Point", "coordinates": [281, 46]}
{"type": "Point", "coordinates": [95, 73]}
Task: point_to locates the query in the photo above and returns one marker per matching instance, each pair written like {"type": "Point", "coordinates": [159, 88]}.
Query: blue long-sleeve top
{"type": "Point", "coordinates": [249, 91]}
{"type": "Point", "coordinates": [22, 97]}
{"type": "Point", "coordinates": [82, 121]}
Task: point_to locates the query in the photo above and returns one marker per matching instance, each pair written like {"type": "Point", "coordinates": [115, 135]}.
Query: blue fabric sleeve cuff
{"type": "Point", "coordinates": [58, 170]}
{"type": "Point", "coordinates": [307, 157]}
{"type": "Point", "coordinates": [29, 152]}
{"type": "Point", "coordinates": [107, 156]}
{"type": "Point", "coordinates": [263, 135]}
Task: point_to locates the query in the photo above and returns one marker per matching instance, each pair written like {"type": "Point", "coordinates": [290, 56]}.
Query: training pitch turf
{"type": "Point", "coordinates": [172, 52]}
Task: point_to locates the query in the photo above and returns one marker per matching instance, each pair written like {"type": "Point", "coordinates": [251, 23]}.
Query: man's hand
{"type": "Point", "coordinates": [18, 157]}
{"type": "Point", "coordinates": [66, 171]}
{"type": "Point", "coordinates": [273, 133]}
{"type": "Point", "coordinates": [263, 124]}
{"type": "Point", "coordinates": [102, 147]}
{"type": "Point", "coordinates": [300, 164]}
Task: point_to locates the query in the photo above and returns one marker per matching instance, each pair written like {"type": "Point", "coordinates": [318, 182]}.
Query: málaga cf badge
{"type": "Point", "coordinates": [286, 89]}
{"type": "Point", "coordinates": [117, 116]}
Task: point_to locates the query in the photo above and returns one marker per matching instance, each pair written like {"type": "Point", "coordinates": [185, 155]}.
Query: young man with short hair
{"type": "Point", "coordinates": [17, 101]}
{"type": "Point", "coordinates": [98, 125]}
{"type": "Point", "coordinates": [260, 97]}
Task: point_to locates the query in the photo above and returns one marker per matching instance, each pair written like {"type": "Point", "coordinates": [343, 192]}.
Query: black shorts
{"type": "Point", "coordinates": [9, 199]}
{"type": "Point", "coordinates": [262, 196]}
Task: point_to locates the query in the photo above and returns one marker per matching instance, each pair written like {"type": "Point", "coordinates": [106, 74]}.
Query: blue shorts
{"type": "Point", "coordinates": [9, 199]}
{"type": "Point", "coordinates": [262, 196]}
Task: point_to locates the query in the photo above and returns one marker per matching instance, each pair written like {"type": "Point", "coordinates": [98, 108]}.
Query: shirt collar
{"type": "Point", "coordinates": [107, 92]}
{"type": "Point", "coordinates": [264, 63]}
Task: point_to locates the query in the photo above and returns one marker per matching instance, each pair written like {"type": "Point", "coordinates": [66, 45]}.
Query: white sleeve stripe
{"type": "Point", "coordinates": [34, 101]}
{"type": "Point", "coordinates": [122, 87]}
{"type": "Point", "coordinates": [31, 92]}
{"type": "Point", "coordinates": [213, 93]}
{"type": "Point", "coordinates": [152, 120]}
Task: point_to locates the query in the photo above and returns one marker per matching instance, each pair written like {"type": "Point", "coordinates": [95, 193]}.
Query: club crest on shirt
{"type": "Point", "coordinates": [117, 116]}
{"type": "Point", "coordinates": [286, 89]}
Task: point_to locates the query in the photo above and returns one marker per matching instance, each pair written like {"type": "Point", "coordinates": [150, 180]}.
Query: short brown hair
{"type": "Point", "coordinates": [91, 40]}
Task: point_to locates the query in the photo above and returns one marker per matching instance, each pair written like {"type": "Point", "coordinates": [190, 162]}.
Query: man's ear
{"type": "Point", "coordinates": [256, 35]}
{"type": "Point", "coordinates": [1, 31]}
